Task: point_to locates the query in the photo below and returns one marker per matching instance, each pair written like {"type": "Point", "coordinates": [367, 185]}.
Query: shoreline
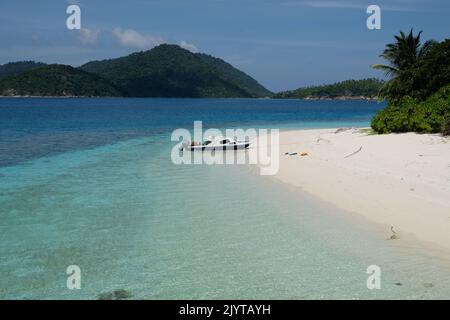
{"type": "Point", "coordinates": [339, 98]}
{"type": "Point", "coordinates": [399, 180]}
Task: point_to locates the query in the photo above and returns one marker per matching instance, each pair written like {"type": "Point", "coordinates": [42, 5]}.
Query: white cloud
{"type": "Point", "coordinates": [132, 39]}
{"type": "Point", "coordinates": [88, 36]}
{"type": "Point", "coordinates": [189, 46]}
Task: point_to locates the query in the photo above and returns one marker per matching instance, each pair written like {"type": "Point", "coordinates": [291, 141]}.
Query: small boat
{"type": "Point", "coordinates": [217, 143]}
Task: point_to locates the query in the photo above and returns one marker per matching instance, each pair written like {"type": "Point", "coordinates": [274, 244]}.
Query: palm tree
{"type": "Point", "coordinates": [403, 53]}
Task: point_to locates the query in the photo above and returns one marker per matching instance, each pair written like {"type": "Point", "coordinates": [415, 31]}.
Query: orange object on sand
{"type": "Point", "coordinates": [303, 154]}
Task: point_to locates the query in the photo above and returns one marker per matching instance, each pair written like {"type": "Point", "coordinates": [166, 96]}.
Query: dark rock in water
{"type": "Point", "coordinates": [105, 296]}
{"type": "Point", "coordinates": [398, 284]}
{"type": "Point", "coordinates": [119, 294]}
{"type": "Point", "coordinates": [122, 294]}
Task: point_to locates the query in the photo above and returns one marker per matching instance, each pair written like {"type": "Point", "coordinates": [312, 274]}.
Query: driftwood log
{"type": "Point", "coordinates": [353, 153]}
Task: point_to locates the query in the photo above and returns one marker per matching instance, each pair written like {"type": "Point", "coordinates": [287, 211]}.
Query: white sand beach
{"type": "Point", "coordinates": [399, 180]}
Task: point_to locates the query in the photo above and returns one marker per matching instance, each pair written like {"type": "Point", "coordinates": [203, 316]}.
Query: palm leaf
{"type": "Point", "coordinates": [389, 70]}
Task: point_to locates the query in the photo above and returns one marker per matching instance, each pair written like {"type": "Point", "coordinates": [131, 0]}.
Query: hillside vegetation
{"type": "Point", "coordinates": [170, 71]}
{"type": "Point", "coordinates": [57, 80]}
{"type": "Point", "coordinates": [366, 88]}
{"type": "Point", "coordinates": [164, 71]}
{"type": "Point", "coordinates": [15, 68]}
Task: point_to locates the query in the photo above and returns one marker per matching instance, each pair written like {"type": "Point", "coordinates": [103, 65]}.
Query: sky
{"type": "Point", "coordinates": [283, 44]}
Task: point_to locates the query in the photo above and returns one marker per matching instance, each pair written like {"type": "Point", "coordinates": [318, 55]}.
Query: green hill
{"type": "Point", "coordinates": [56, 80]}
{"type": "Point", "coordinates": [15, 68]}
{"type": "Point", "coordinates": [365, 88]}
{"type": "Point", "coordinates": [170, 71]}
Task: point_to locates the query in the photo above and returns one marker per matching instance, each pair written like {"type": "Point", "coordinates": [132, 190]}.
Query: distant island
{"type": "Point", "coordinates": [164, 71]}
{"type": "Point", "coordinates": [171, 71]}
{"type": "Point", "coordinates": [345, 90]}
{"type": "Point", "coordinates": [57, 80]}
{"type": "Point", "coordinates": [16, 68]}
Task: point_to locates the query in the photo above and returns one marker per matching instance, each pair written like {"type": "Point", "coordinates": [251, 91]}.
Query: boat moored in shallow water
{"type": "Point", "coordinates": [217, 143]}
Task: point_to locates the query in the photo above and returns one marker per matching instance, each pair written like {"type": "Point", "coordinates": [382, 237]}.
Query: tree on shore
{"type": "Point", "coordinates": [403, 53]}
{"type": "Point", "coordinates": [418, 92]}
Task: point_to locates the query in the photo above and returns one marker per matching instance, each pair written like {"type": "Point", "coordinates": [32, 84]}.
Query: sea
{"type": "Point", "coordinates": [88, 184]}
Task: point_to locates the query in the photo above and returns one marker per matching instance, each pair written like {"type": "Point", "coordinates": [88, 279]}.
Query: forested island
{"type": "Point", "coordinates": [58, 81]}
{"type": "Point", "coordinates": [349, 89]}
{"type": "Point", "coordinates": [164, 71]}
{"type": "Point", "coordinates": [16, 68]}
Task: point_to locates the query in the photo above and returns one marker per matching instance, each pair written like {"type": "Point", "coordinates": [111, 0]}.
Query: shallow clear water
{"type": "Point", "coordinates": [97, 189]}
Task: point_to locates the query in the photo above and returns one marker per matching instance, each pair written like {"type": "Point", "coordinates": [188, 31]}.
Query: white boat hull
{"type": "Point", "coordinates": [237, 146]}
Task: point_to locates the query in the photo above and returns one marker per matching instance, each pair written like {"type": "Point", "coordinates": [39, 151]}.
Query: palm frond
{"type": "Point", "coordinates": [389, 70]}
{"type": "Point", "coordinates": [403, 53]}
{"type": "Point", "coordinates": [426, 47]}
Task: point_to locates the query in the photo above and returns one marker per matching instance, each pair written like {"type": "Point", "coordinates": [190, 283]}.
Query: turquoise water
{"type": "Point", "coordinates": [103, 194]}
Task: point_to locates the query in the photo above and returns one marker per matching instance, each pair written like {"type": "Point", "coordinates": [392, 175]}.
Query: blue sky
{"type": "Point", "coordinates": [283, 44]}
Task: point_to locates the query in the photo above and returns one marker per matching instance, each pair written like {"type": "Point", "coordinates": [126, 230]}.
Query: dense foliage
{"type": "Point", "coordinates": [418, 93]}
{"type": "Point", "coordinates": [426, 76]}
{"type": "Point", "coordinates": [367, 88]}
{"type": "Point", "coordinates": [428, 116]}
{"type": "Point", "coordinates": [403, 53]}
{"type": "Point", "coordinates": [164, 71]}
{"type": "Point", "coordinates": [15, 68]}
{"type": "Point", "coordinates": [170, 71]}
{"type": "Point", "coordinates": [56, 80]}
